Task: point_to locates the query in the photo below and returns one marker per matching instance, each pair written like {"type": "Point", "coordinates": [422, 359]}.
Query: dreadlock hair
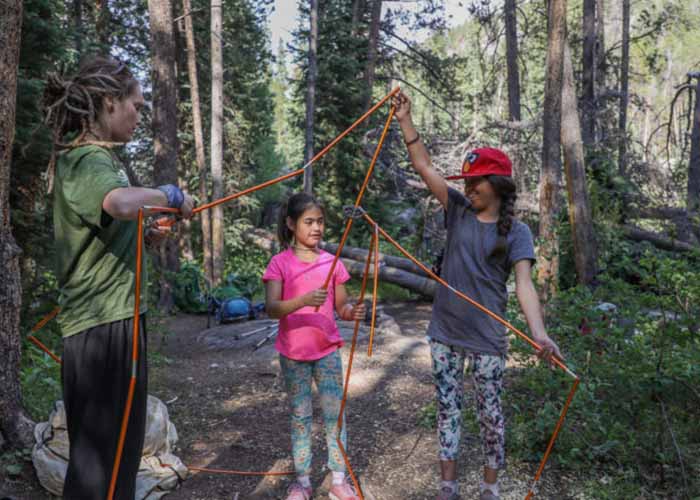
{"type": "Point", "coordinates": [294, 208]}
{"type": "Point", "coordinates": [504, 187]}
{"type": "Point", "coordinates": [71, 105]}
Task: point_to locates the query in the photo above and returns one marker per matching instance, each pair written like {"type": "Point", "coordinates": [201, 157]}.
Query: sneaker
{"type": "Point", "coordinates": [297, 492]}
{"type": "Point", "coordinates": [488, 495]}
{"type": "Point", "coordinates": [342, 492]}
{"type": "Point", "coordinates": [447, 494]}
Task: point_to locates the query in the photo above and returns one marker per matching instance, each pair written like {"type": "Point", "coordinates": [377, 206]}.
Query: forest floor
{"type": "Point", "coordinates": [229, 407]}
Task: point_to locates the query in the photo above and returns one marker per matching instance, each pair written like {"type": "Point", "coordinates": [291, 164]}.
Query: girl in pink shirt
{"type": "Point", "coordinates": [308, 340]}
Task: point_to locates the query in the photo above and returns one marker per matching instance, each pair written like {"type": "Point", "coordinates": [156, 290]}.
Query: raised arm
{"type": "Point", "coordinates": [417, 150]}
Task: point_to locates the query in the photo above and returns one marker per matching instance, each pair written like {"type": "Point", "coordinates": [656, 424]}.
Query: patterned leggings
{"type": "Point", "coordinates": [298, 376]}
{"type": "Point", "coordinates": [487, 371]}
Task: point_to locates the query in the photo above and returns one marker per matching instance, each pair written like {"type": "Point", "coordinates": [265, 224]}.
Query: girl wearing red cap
{"type": "Point", "coordinates": [484, 243]}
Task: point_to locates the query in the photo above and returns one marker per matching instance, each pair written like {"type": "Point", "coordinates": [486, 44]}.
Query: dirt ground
{"type": "Point", "coordinates": [228, 404]}
{"type": "Point", "coordinates": [231, 413]}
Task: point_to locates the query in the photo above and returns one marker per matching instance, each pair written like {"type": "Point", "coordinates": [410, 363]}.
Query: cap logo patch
{"type": "Point", "coordinates": [471, 158]}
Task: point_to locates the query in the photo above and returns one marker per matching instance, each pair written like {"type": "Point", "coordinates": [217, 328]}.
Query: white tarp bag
{"type": "Point", "coordinates": [159, 473]}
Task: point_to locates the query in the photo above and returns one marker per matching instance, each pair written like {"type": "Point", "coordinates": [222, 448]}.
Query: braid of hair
{"type": "Point", "coordinates": [505, 188]}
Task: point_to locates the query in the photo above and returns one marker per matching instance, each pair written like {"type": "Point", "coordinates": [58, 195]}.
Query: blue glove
{"type": "Point", "coordinates": [174, 194]}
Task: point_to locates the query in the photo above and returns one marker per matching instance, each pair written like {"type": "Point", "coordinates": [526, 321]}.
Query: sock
{"type": "Point", "coordinates": [452, 485]}
{"type": "Point", "coordinates": [338, 478]}
{"type": "Point", "coordinates": [488, 486]}
{"type": "Point", "coordinates": [305, 481]}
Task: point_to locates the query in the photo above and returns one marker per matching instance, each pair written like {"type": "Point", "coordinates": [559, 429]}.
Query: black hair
{"type": "Point", "coordinates": [294, 208]}
{"type": "Point", "coordinates": [504, 187]}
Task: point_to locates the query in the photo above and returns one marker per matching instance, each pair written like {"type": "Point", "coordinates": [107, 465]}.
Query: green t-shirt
{"type": "Point", "coordinates": [95, 254]}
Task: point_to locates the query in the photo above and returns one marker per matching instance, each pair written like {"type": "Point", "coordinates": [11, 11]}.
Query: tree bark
{"type": "Point", "coordinates": [624, 88]}
{"type": "Point", "coordinates": [217, 150]}
{"type": "Point", "coordinates": [601, 68]}
{"type": "Point", "coordinates": [550, 178]}
{"type": "Point", "coordinates": [198, 130]}
{"type": "Point", "coordinates": [589, 71]}
{"type": "Point", "coordinates": [311, 94]}
{"type": "Point", "coordinates": [404, 279]}
{"type": "Point", "coordinates": [372, 51]}
{"type": "Point", "coordinates": [583, 237]}
{"type": "Point", "coordinates": [78, 26]}
{"type": "Point", "coordinates": [694, 165]}
{"type": "Point", "coordinates": [512, 61]}
{"type": "Point", "coordinates": [15, 425]}
{"type": "Point", "coordinates": [103, 25]}
{"type": "Point", "coordinates": [357, 9]}
{"type": "Point", "coordinates": [164, 124]}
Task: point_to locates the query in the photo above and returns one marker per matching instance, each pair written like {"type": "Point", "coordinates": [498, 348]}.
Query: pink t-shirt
{"type": "Point", "coordinates": [306, 335]}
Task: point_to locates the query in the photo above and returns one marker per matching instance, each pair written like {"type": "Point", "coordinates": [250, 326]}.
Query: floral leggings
{"type": "Point", "coordinates": [487, 371]}
{"type": "Point", "coordinates": [298, 376]}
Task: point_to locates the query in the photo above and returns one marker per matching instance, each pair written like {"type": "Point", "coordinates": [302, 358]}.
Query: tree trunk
{"type": "Point", "coordinates": [372, 52]}
{"type": "Point", "coordinates": [550, 178]}
{"type": "Point", "coordinates": [78, 26]}
{"type": "Point", "coordinates": [185, 232]}
{"type": "Point", "coordinates": [357, 9]}
{"type": "Point", "coordinates": [217, 147]}
{"type": "Point", "coordinates": [624, 88]}
{"type": "Point", "coordinates": [165, 142]}
{"type": "Point", "coordinates": [360, 254]}
{"type": "Point", "coordinates": [585, 251]}
{"type": "Point", "coordinates": [103, 26]}
{"type": "Point", "coordinates": [311, 95]}
{"type": "Point", "coordinates": [694, 165]}
{"type": "Point", "coordinates": [184, 170]}
{"type": "Point", "coordinates": [589, 70]}
{"type": "Point", "coordinates": [601, 67]}
{"type": "Point", "coordinates": [15, 425]}
{"type": "Point", "coordinates": [404, 279]}
{"type": "Point", "coordinates": [205, 216]}
{"type": "Point", "coordinates": [512, 61]}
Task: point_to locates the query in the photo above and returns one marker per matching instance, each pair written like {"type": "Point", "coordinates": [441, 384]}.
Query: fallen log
{"type": "Point", "coordinates": [261, 238]}
{"type": "Point", "coordinates": [419, 284]}
{"type": "Point", "coordinates": [396, 270]}
{"type": "Point", "coordinates": [360, 254]}
{"type": "Point", "coordinates": [647, 212]}
{"type": "Point", "coordinates": [659, 241]}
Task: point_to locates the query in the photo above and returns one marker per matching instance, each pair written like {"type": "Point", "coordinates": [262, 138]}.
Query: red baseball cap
{"type": "Point", "coordinates": [485, 161]}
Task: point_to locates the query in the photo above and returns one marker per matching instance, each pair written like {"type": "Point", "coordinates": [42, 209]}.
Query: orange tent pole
{"type": "Point", "coordinates": [41, 346]}
{"type": "Point", "coordinates": [375, 237]}
{"type": "Point", "coordinates": [41, 324]}
{"type": "Point", "coordinates": [240, 472]}
{"type": "Point", "coordinates": [555, 434]}
{"type": "Point", "coordinates": [465, 297]}
{"type": "Point", "coordinates": [558, 362]}
{"type": "Point", "coordinates": [348, 225]}
{"type": "Point", "coordinates": [343, 401]}
{"type": "Point", "coordinates": [134, 360]}
{"type": "Point", "coordinates": [300, 171]}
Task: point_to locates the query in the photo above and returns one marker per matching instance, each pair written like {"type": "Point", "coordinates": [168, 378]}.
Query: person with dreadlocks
{"type": "Point", "coordinates": [484, 244]}
{"type": "Point", "coordinates": [95, 210]}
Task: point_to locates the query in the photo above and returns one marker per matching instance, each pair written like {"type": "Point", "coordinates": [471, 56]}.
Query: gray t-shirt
{"type": "Point", "coordinates": [468, 268]}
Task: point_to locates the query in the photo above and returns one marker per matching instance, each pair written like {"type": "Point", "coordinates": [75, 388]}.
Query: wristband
{"type": "Point", "coordinates": [413, 141]}
{"type": "Point", "coordinates": [174, 194]}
